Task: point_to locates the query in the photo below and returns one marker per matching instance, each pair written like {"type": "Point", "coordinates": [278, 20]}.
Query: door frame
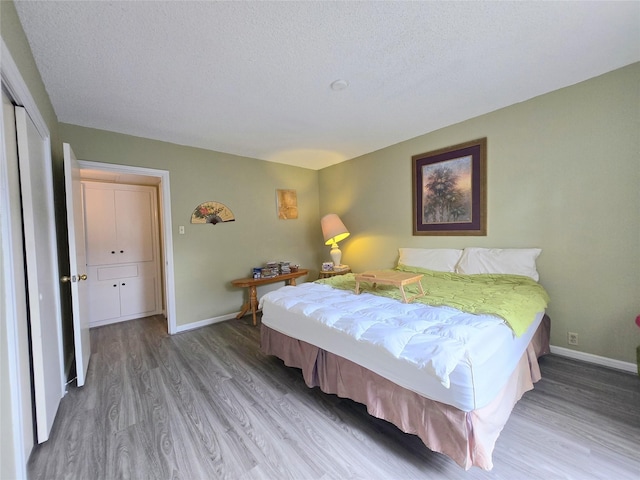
{"type": "Point", "coordinates": [164, 206]}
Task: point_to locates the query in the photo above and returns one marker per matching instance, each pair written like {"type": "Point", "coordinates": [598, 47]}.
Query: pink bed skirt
{"type": "Point", "coordinates": [466, 437]}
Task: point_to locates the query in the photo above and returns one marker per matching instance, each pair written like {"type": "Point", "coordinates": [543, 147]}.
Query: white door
{"type": "Point", "coordinates": [134, 225]}
{"type": "Point", "coordinates": [36, 184]}
{"type": "Point", "coordinates": [100, 215]}
{"type": "Point", "coordinates": [17, 383]}
{"type": "Point", "coordinates": [77, 263]}
{"type": "Point", "coordinates": [137, 296]}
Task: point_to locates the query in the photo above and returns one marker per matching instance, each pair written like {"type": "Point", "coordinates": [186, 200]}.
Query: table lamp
{"type": "Point", "coordinates": [333, 231]}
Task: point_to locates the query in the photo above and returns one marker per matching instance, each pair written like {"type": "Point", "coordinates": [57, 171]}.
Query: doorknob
{"type": "Point", "coordinates": [66, 279]}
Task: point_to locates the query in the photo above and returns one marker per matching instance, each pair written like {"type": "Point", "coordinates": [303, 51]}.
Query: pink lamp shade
{"type": "Point", "coordinates": [333, 231]}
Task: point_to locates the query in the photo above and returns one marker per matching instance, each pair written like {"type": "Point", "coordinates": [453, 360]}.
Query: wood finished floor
{"type": "Point", "coordinates": [208, 404]}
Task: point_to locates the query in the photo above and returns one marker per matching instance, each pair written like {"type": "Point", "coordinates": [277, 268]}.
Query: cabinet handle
{"type": "Point", "coordinates": [123, 284]}
{"type": "Point", "coordinates": [113, 252]}
{"type": "Point", "coordinates": [115, 285]}
{"type": "Point", "coordinates": [121, 251]}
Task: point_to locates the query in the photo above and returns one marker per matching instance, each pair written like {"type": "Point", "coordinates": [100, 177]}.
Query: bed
{"type": "Point", "coordinates": [447, 367]}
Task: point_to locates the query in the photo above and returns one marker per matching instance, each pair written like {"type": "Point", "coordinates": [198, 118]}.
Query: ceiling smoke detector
{"type": "Point", "coordinates": [339, 85]}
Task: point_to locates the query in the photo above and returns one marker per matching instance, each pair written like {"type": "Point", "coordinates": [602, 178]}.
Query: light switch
{"type": "Point", "coordinates": [181, 229]}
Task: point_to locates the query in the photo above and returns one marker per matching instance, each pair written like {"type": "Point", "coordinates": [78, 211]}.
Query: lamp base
{"type": "Point", "coordinates": [336, 254]}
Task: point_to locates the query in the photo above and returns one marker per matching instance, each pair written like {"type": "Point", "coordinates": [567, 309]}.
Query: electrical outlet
{"type": "Point", "coordinates": [572, 338]}
{"type": "Point", "coordinates": [181, 229]}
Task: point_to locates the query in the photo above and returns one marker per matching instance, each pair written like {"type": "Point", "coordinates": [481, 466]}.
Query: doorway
{"type": "Point", "coordinates": [146, 176]}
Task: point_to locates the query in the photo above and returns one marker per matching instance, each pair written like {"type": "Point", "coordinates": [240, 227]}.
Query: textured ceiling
{"type": "Point", "coordinates": [253, 78]}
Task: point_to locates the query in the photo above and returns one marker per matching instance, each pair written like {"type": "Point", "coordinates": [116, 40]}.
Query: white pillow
{"type": "Point", "coordinates": [438, 259]}
{"type": "Point", "coordinates": [515, 261]}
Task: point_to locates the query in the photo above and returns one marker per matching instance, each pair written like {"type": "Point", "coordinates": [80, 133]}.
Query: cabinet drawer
{"type": "Point", "coordinates": [124, 271]}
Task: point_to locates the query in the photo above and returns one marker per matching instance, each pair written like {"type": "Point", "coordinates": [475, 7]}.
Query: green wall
{"type": "Point", "coordinates": [208, 257]}
{"type": "Point", "coordinates": [563, 175]}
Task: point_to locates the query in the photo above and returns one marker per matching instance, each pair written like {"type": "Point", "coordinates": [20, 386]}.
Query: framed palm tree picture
{"type": "Point", "coordinates": [449, 190]}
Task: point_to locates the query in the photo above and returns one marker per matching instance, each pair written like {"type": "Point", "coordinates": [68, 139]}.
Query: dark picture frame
{"type": "Point", "coordinates": [449, 190]}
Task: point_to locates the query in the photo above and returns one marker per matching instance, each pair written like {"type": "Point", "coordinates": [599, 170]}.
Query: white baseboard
{"type": "Point", "coordinates": [126, 318]}
{"type": "Point", "coordinates": [205, 322]}
{"type": "Point", "coordinates": [590, 358]}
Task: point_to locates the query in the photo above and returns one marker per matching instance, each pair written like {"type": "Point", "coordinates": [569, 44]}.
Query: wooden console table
{"type": "Point", "coordinates": [385, 277]}
{"type": "Point", "coordinates": [252, 283]}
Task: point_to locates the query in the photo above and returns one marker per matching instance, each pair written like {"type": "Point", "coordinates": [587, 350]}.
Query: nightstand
{"type": "Point", "coordinates": [333, 273]}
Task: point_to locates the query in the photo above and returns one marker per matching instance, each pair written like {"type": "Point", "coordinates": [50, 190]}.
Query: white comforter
{"type": "Point", "coordinates": [388, 336]}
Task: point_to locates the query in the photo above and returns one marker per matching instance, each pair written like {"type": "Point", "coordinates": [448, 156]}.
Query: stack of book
{"type": "Point", "coordinates": [340, 268]}
{"type": "Point", "coordinates": [285, 267]}
{"type": "Point", "coordinates": [271, 270]}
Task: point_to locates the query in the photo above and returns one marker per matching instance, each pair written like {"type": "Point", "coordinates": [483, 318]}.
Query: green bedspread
{"type": "Point", "coordinates": [515, 298]}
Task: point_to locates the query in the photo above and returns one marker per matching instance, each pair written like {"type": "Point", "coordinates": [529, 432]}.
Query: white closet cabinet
{"type": "Point", "coordinates": [123, 266]}
{"type": "Point", "coordinates": [119, 223]}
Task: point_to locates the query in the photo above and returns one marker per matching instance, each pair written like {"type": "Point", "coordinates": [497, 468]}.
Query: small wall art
{"type": "Point", "coordinates": [212, 212]}
{"type": "Point", "coordinates": [287, 204]}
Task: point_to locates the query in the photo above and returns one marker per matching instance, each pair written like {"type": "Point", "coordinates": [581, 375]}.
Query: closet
{"type": "Point", "coordinates": [123, 252]}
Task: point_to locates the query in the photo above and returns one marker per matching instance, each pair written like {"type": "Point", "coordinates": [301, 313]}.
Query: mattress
{"type": "Point", "coordinates": [460, 359]}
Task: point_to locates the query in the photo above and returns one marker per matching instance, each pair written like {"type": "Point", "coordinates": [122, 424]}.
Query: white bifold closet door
{"type": "Point", "coordinates": [41, 258]}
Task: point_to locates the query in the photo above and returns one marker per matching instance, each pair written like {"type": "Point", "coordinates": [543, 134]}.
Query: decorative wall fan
{"type": "Point", "coordinates": [212, 212]}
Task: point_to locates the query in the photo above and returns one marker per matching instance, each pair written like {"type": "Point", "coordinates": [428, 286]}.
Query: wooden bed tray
{"type": "Point", "coordinates": [386, 277]}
